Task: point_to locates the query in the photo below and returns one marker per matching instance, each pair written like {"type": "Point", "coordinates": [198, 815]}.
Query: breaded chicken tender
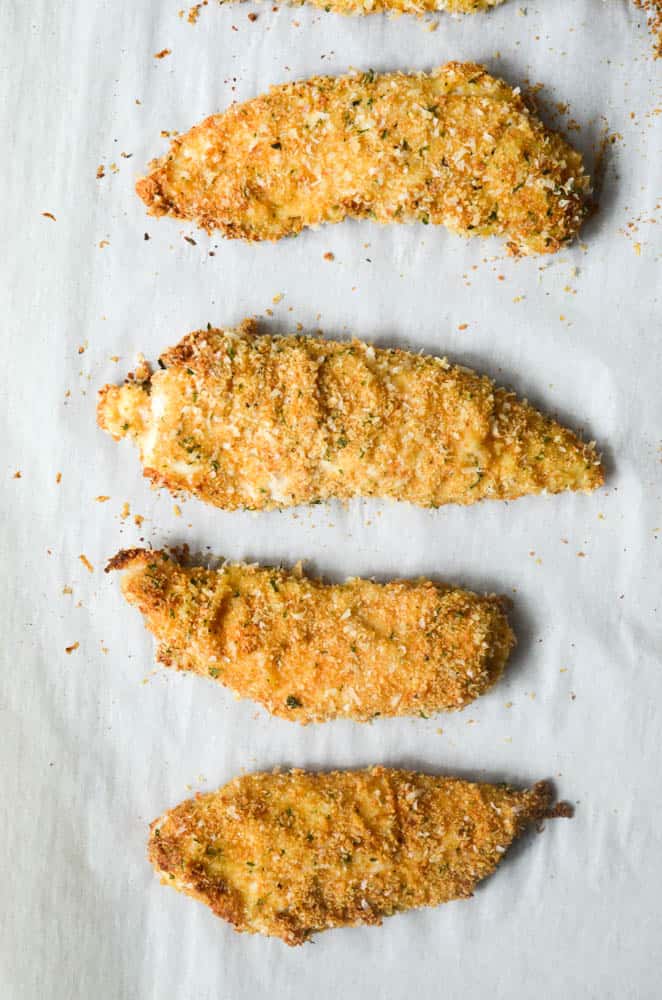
{"type": "Point", "coordinates": [455, 147]}
{"type": "Point", "coordinates": [311, 652]}
{"type": "Point", "coordinates": [401, 6]}
{"type": "Point", "coordinates": [288, 855]}
{"type": "Point", "coordinates": [244, 420]}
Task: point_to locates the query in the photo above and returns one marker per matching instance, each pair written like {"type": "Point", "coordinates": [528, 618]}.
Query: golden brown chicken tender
{"type": "Point", "coordinates": [455, 147]}
{"type": "Point", "coordinates": [287, 855]}
{"type": "Point", "coordinates": [246, 420]}
{"type": "Point", "coordinates": [402, 6]}
{"type": "Point", "coordinates": [310, 651]}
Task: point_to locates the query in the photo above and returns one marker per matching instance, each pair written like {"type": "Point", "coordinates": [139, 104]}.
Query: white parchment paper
{"type": "Point", "coordinates": [93, 743]}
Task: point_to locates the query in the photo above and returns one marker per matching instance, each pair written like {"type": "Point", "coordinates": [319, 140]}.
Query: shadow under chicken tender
{"type": "Point", "coordinates": [287, 855]}
{"type": "Point", "coordinates": [243, 420]}
{"type": "Point", "coordinates": [456, 147]}
{"type": "Point", "coordinates": [309, 651]}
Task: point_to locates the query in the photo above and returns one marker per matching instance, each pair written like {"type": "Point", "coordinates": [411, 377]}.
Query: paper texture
{"type": "Point", "coordinates": [94, 744]}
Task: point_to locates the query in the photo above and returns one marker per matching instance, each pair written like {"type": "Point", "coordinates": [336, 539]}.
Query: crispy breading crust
{"type": "Point", "coordinates": [456, 147]}
{"type": "Point", "coordinates": [401, 6]}
{"type": "Point", "coordinates": [246, 420]}
{"type": "Point", "coordinates": [311, 652]}
{"type": "Point", "coordinates": [653, 9]}
{"type": "Point", "coordinates": [288, 855]}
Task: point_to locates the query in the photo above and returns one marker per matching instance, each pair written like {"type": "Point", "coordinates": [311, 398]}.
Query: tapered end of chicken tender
{"type": "Point", "coordinates": [554, 457]}
{"type": "Point", "coordinates": [309, 651]}
{"type": "Point", "coordinates": [338, 420]}
{"type": "Point", "coordinates": [288, 855]}
{"type": "Point", "coordinates": [456, 147]}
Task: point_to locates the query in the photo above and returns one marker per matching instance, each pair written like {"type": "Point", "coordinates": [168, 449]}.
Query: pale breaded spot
{"type": "Point", "coordinates": [309, 651]}
{"type": "Point", "coordinates": [287, 855]}
{"type": "Point", "coordinates": [456, 147]}
{"type": "Point", "coordinates": [246, 420]}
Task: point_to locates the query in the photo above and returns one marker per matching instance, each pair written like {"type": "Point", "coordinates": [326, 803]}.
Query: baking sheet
{"type": "Point", "coordinates": [94, 742]}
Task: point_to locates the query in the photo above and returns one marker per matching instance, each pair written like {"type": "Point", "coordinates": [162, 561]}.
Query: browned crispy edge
{"type": "Point", "coordinates": [131, 557]}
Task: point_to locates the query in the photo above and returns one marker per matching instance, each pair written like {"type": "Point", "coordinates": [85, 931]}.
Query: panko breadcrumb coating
{"type": "Point", "coordinates": [311, 652]}
{"type": "Point", "coordinates": [455, 147]}
{"type": "Point", "coordinates": [401, 6]}
{"type": "Point", "coordinates": [287, 855]}
{"type": "Point", "coordinates": [653, 9]}
{"type": "Point", "coordinates": [247, 420]}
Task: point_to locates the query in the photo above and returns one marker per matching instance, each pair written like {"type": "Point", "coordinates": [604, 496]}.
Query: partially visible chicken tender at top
{"type": "Point", "coordinates": [310, 651]}
{"type": "Point", "coordinates": [456, 147]}
{"type": "Point", "coordinates": [653, 9]}
{"type": "Point", "coordinates": [241, 419]}
{"type": "Point", "coordinates": [287, 855]}
{"type": "Point", "coordinates": [401, 6]}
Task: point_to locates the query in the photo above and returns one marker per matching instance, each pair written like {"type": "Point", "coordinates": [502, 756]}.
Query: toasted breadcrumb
{"type": "Point", "coordinates": [401, 6]}
{"type": "Point", "coordinates": [456, 147]}
{"type": "Point", "coordinates": [377, 6]}
{"type": "Point", "coordinates": [654, 10]}
{"type": "Point", "coordinates": [311, 652]}
{"type": "Point", "coordinates": [404, 6]}
{"type": "Point", "coordinates": [243, 420]}
{"type": "Point", "coordinates": [287, 855]}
